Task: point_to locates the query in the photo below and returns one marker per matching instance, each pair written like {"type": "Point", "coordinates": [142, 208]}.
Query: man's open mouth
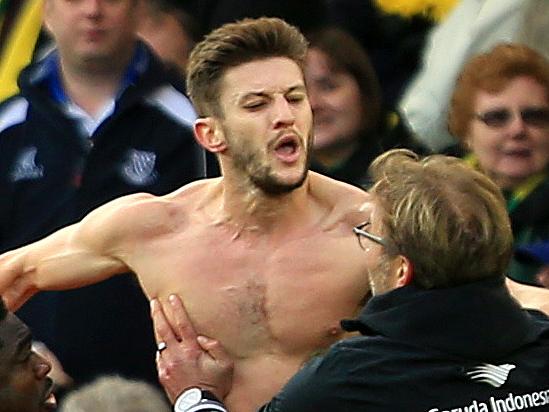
{"type": "Point", "coordinates": [287, 148]}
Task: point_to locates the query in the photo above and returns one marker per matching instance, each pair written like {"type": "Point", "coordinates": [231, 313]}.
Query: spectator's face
{"type": "Point", "coordinates": [88, 31]}
{"type": "Point", "coordinates": [24, 385]}
{"type": "Point", "coordinates": [335, 100]}
{"type": "Point", "coordinates": [511, 147]}
{"type": "Point", "coordinates": [166, 36]}
{"type": "Point", "coordinates": [267, 123]}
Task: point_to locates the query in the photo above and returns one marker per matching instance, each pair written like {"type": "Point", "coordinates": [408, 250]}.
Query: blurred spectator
{"type": "Point", "coordinates": [169, 29]}
{"type": "Point", "coordinates": [500, 112]}
{"type": "Point", "coordinates": [96, 119]}
{"type": "Point", "coordinates": [474, 26]}
{"type": "Point", "coordinates": [115, 394]}
{"type": "Point", "coordinates": [350, 125]}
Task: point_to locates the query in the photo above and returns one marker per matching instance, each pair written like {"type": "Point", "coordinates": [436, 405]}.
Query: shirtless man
{"type": "Point", "coordinates": [264, 258]}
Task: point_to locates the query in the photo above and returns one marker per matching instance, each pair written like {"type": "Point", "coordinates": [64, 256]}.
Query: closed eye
{"type": "Point", "coordinates": [295, 98]}
{"type": "Point", "coordinates": [254, 105]}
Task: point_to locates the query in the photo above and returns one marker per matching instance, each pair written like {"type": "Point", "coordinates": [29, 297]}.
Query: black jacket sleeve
{"type": "Point", "coordinates": [321, 385]}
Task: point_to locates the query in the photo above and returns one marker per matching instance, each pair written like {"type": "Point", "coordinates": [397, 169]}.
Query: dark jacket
{"type": "Point", "coordinates": [468, 348]}
{"type": "Point", "coordinates": [353, 170]}
{"type": "Point", "coordinates": [530, 223]}
{"type": "Point", "coordinates": [51, 174]}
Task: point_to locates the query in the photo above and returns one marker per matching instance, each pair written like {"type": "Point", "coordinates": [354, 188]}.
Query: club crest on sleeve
{"type": "Point", "coordinates": [138, 167]}
{"type": "Point", "coordinates": [25, 167]}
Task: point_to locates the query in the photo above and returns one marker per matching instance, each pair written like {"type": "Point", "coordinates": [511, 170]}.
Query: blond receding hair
{"type": "Point", "coordinates": [491, 72]}
{"type": "Point", "coordinates": [447, 218]}
{"type": "Point", "coordinates": [234, 44]}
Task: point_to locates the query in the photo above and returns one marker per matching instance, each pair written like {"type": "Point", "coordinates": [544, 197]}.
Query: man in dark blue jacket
{"type": "Point", "coordinates": [96, 118]}
{"type": "Point", "coordinates": [442, 333]}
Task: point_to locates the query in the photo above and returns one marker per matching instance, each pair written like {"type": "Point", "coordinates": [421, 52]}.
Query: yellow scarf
{"type": "Point", "coordinates": [519, 193]}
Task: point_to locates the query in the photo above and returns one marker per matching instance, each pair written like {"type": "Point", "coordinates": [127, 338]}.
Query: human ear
{"type": "Point", "coordinates": [210, 136]}
{"type": "Point", "coordinates": [405, 271]}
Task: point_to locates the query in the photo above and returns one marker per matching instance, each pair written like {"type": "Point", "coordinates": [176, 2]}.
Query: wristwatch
{"type": "Point", "coordinates": [196, 399]}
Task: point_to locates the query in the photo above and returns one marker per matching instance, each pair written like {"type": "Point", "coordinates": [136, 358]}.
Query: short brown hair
{"type": "Point", "coordinates": [447, 218]}
{"type": "Point", "coordinates": [491, 72]}
{"type": "Point", "coordinates": [233, 44]}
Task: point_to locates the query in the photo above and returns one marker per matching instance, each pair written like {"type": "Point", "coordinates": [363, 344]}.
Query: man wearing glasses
{"type": "Point", "coordinates": [441, 333]}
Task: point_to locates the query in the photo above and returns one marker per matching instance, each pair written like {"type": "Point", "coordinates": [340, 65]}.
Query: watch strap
{"type": "Point", "coordinates": [205, 402]}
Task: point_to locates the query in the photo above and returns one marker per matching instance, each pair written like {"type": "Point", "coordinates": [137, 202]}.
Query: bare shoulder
{"type": "Point", "coordinates": [334, 191]}
{"type": "Point", "coordinates": [344, 201]}
{"type": "Point", "coordinates": [194, 191]}
{"type": "Point", "coordinates": [145, 214]}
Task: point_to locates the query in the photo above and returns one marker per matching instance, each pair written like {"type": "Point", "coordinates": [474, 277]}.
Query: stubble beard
{"type": "Point", "coordinates": [261, 174]}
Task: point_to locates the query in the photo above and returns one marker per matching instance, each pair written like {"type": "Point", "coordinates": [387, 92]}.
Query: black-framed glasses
{"type": "Point", "coordinates": [360, 232]}
{"type": "Point", "coordinates": [532, 116]}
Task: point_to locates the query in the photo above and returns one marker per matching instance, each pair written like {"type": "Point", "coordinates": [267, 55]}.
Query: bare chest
{"type": "Point", "coordinates": [259, 297]}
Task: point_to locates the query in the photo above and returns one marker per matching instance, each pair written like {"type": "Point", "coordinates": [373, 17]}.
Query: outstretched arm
{"type": "Point", "coordinates": [77, 255]}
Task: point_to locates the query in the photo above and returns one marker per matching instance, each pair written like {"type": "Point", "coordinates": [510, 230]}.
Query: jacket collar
{"type": "Point", "coordinates": [472, 320]}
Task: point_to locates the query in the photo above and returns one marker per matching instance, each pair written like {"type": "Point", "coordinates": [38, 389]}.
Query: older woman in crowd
{"type": "Point", "coordinates": [500, 113]}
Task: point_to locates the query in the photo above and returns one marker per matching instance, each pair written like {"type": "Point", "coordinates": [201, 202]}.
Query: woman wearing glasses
{"type": "Point", "coordinates": [500, 112]}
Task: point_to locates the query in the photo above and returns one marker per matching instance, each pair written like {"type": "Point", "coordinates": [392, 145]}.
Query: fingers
{"type": "Point", "coordinates": [213, 348]}
{"type": "Point", "coordinates": [172, 324]}
{"type": "Point", "coordinates": [183, 326]}
{"type": "Point", "coordinates": [162, 329]}
{"type": "Point", "coordinates": [188, 359]}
